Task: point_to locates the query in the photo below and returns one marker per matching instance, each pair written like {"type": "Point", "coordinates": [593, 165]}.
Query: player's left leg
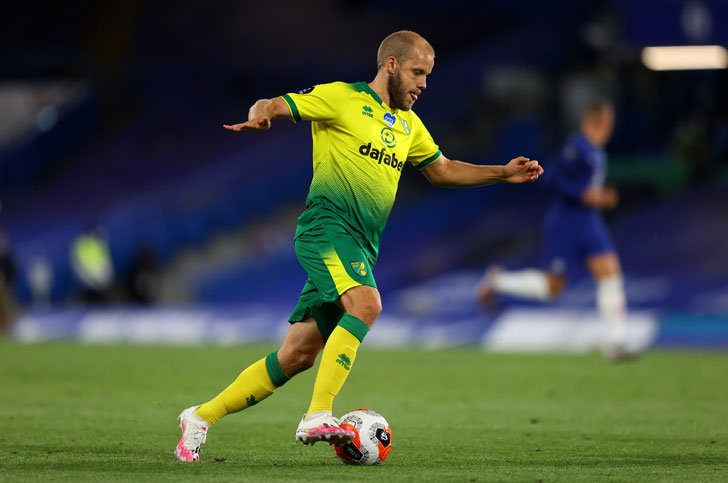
{"type": "Point", "coordinates": [528, 284]}
{"type": "Point", "coordinates": [606, 271]}
{"type": "Point", "coordinates": [558, 248]}
{"type": "Point", "coordinates": [362, 305]}
{"type": "Point", "coordinates": [346, 305]}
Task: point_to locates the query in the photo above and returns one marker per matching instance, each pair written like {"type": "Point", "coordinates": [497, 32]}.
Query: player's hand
{"type": "Point", "coordinates": [605, 198]}
{"type": "Point", "coordinates": [256, 124]}
{"type": "Point", "coordinates": [610, 198]}
{"type": "Point", "coordinates": [521, 170]}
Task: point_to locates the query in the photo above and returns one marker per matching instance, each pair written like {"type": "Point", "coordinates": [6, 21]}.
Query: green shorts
{"type": "Point", "coordinates": [335, 263]}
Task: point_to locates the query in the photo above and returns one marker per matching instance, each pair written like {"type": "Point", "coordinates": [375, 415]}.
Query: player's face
{"type": "Point", "coordinates": [410, 79]}
{"type": "Point", "coordinates": [606, 126]}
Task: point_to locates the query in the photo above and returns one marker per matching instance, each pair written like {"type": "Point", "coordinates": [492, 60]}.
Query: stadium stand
{"type": "Point", "coordinates": [159, 171]}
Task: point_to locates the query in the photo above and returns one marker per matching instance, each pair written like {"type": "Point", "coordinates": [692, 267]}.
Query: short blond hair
{"type": "Point", "coordinates": [400, 45]}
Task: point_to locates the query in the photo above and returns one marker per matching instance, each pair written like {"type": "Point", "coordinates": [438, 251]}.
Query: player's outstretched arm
{"type": "Point", "coordinates": [261, 114]}
{"type": "Point", "coordinates": [457, 174]}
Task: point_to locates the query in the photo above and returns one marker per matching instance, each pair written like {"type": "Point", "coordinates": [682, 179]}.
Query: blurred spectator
{"type": "Point", "coordinates": [40, 279]}
{"type": "Point", "coordinates": [144, 280]}
{"type": "Point", "coordinates": [8, 306]}
{"type": "Point", "coordinates": [91, 262]}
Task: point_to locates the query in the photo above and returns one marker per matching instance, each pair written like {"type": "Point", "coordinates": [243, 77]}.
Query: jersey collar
{"type": "Point", "coordinates": [364, 87]}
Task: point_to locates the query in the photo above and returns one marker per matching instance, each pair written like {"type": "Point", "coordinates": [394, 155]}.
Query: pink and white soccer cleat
{"type": "Point", "coordinates": [323, 427]}
{"type": "Point", "coordinates": [194, 433]}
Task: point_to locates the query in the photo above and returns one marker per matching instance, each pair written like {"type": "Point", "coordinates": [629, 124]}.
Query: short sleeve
{"type": "Point", "coordinates": [319, 103]}
{"type": "Point", "coordinates": [423, 150]}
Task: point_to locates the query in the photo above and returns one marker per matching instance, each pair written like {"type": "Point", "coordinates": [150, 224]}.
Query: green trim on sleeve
{"type": "Point", "coordinates": [275, 372]}
{"type": "Point", "coordinates": [429, 160]}
{"type": "Point", "coordinates": [292, 106]}
{"type": "Point", "coordinates": [354, 326]}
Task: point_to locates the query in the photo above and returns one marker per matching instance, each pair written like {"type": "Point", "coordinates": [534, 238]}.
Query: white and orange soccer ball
{"type": "Point", "coordinates": [373, 440]}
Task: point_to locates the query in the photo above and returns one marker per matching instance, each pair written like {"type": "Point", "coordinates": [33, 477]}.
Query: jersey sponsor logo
{"type": "Point", "coordinates": [381, 156]}
{"type": "Point", "coordinates": [390, 119]}
{"type": "Point", "coordinates": [359, 268]}
{"type": "Point", "coordinates": [367, 111]}
{"type": "Point", "coordinates": [388, 137]}
{"type": "Point", "coordinates": [306, 90]}
{"type": "Point", "coordinates": [405, 126]}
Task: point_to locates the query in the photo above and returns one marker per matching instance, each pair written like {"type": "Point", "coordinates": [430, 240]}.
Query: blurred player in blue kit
{"type": "Point", "coordinates": [574, 233]}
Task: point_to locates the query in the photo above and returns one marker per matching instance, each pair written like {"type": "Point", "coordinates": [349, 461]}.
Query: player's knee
{"type": "Point", "coordinates": [364, 303]}
{"type": "Point", "coordinates": [604, 265]}
{"type": "Point", "coordinates": [305, 361]}
{"type": "Point", "coordinates": [296, 361]}
{"type": "Point", "coordinates": [371, 309]}
{"type": "Point", "coordinates": [556, 283]}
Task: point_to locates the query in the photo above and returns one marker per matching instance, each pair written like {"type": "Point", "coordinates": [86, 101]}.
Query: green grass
{"type": "Point", "coordinates": [75, 412]}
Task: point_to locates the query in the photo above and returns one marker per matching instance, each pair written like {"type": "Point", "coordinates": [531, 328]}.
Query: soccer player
{"type": "Point", "coordinates": [574, 233]}
{"type": "Point", "coordinates": [363, 134]}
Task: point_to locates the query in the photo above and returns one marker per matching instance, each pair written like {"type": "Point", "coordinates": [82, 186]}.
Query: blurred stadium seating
{"type": "Point", "coordinates": [136, 144]}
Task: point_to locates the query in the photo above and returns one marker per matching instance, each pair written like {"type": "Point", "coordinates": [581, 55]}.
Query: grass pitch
{"type": "Point", "coordinates": [75, 413]}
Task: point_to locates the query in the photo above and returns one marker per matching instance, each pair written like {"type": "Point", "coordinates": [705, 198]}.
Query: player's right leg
{"type": "Point", "coordinates": [258, 381]}
{"type": "Point", "coordinates": [603, 264]}
{"type": "Point", "coordinates": [606, 271]}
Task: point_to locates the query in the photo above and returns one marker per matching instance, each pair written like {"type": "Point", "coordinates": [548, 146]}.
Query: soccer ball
{"type": "Point", "coordinates": [373, 439]}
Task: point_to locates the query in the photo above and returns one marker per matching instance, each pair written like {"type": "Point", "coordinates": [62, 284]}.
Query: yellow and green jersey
{"type": "Point", "coordinates": [360, 146]}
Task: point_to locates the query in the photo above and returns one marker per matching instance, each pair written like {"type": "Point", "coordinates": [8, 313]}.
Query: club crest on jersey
{"type": "Point", "coordinates": [405, 126]}
{"type": "Point", "coordinates": [388, 138]}
{"type": "Point", "coordinates": [390, 119]}
{"type": "Point", "coordinates": [359, 268]}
